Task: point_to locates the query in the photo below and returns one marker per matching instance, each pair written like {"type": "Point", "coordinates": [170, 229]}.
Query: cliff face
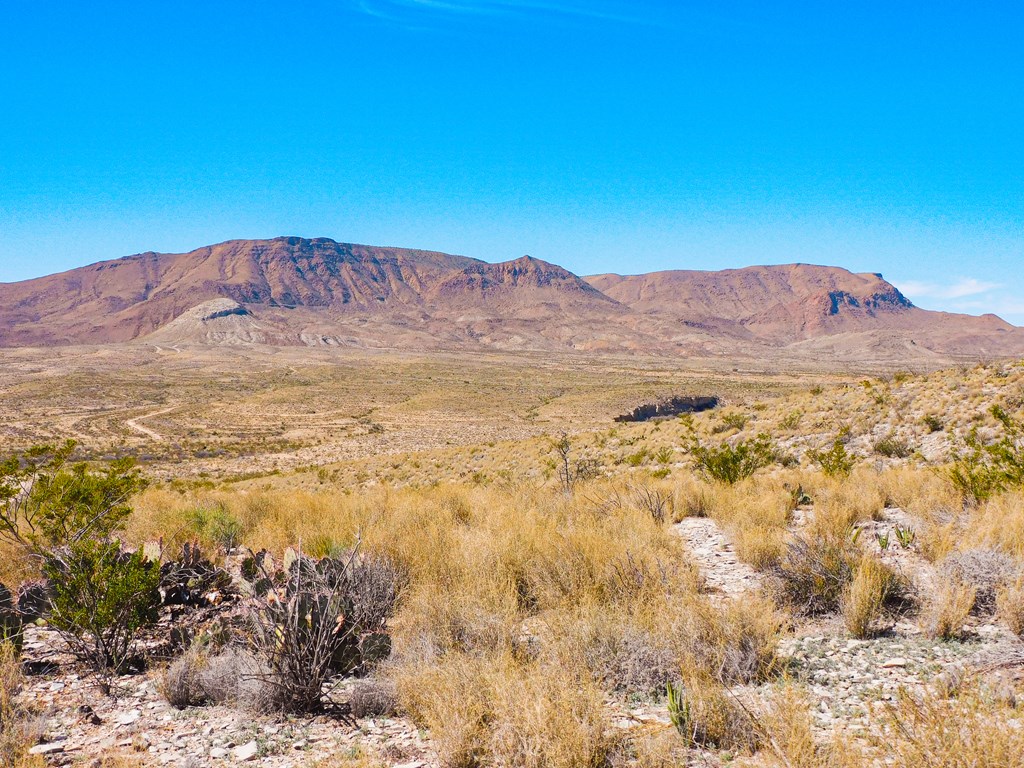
{"type": "Point", "coordinates": [292, 290]}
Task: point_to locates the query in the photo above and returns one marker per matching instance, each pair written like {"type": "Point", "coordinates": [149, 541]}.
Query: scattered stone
{"type": "Point", "coordinates": [246, 752]}
{"type": "Point", "coordinates": [53, 748]}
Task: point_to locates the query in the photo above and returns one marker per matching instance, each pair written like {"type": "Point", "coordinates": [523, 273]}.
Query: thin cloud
{"type": "Point", "coordinates": [963, 287]}
{"type": "Point", "coordinates": [397, 10]}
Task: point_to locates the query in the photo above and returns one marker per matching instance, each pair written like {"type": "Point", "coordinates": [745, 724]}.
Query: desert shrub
{"type": "Point", "coordinates": [947, 610]}
{"type": "Point", "coordinates": [875, 588]}
{"type": "Point", "coordinates": [11, 620]}
{"type": "Point", "coordinates": [102, 597]}
{"type": "Point", "coordinates": [967, 731]}
{"type": "Point", "coordinates": [215, 526]}
{"type": "Point", "coordinates": [813, 573]}
{"type": "Point", "coordinates": [655, 502]}
{"type": "Point", "coordinates": [373, 697]}
{"type": "Point", "coordinates": [732, 420]}
{"type": "Point", "coordinates": [66, 516]}
{"type": "Point", "coordinates": [1010, 607]}
{"type": "Point", "coordinates": [665, 454]}
{"type": "Point", "coordinates": [474, 707]}
{"type": "Point", "coordinates": [834, 462]}
{"type": "Point", "coordinates": [237, 678]}
{"type": "Point", "coordinates": [572, 470]}
{"type": "Point", "coordinates": [985, 570]}
{"type": "Point", "coordinates": [47, 504]}
{"type": "Point", "coordinates": [319, 620]}
{"type": "Point", "coordinates": [18, 729]}
{"type": "Point", "coordinates": [981, 469]}
{"type": "Point", "coordinates": [621, 654]}
{"type": "Point", "coordinates": [180, 683]}
{"type": "Point", "coordinates": [892, 447]}
{"type": "Point", "coordinates": [933, 423]}
{"type": "Point", "coordinates": [705, 716]}
{"type": "Point", "coordinates": [730, 463]}
{"type": "Point", "coordinates": [792, 420]}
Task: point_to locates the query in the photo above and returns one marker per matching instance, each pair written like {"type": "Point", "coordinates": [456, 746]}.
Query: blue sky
{"type": "Point", "coordinates": [603, 135]}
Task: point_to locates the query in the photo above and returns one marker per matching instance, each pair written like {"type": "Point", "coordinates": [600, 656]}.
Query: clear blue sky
{"type": "Point", "coordinates": [608, 135]}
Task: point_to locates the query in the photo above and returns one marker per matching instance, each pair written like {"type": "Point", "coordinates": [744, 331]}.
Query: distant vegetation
{"type": "Point", "coordinates": [515, 614]}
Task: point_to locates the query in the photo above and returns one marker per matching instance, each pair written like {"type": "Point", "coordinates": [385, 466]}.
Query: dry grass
{"type": "Point", "coordinates": [18, 729]}
{"type": "Point", "coordinates": [970, 731]}
{"type": "Point", "coordinates": [866, 598]}
{"type": "Point", "coordinates": [513, 713]}
{"type": "Point", "coordinates": [947, 610]}
{"type": "Point", "coordinates": [1010, 607]}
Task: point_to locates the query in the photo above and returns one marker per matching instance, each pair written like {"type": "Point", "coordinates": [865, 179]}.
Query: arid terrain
{"type": "Point", "coordinates": [463, 554]}
{"type": "Point", "coordinates": [292, 291]}
{"type": "Point", "coordinates": [644, 571]}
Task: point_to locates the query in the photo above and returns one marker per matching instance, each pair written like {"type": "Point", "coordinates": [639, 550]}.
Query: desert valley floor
{"type": "Point", "coordinates": [842, 603]}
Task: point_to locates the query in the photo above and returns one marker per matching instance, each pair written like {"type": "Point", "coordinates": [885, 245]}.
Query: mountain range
{"type": "Point", "coordinates": [297, 291]}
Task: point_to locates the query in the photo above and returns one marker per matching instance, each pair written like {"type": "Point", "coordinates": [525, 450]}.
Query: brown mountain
{"type": "Point", "coordinates": [292, 290]}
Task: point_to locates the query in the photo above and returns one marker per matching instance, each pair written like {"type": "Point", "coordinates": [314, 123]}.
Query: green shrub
{"type": "Point", "coordinates": [44, 503]}
{"type": "Point", "coordinates": [102, 597]}
{"type": "Point", "coordinates": [892, 447]}
{"type": "Point", "coordinates": [980, 469]}
{"type": "Point", "coordinates": [836, 461]}
{"type": "Point", "coordinates": [731, 463]}
{"type": "Point", "coordinates": [933, 423]}
{"type": "Point", "coordinates": [216, 526]}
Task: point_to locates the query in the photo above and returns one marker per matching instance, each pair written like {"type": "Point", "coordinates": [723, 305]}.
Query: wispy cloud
{"type": "Point", "coordinates": [962, 287]}
{"type": "Point", "coordinates": [398, 10]}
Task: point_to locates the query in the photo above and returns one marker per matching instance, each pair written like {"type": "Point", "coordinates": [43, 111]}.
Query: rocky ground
{"type": "Point", "coordinates": [845, 679]}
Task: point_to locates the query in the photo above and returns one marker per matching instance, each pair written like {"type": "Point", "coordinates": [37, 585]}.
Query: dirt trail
{"type": "Point", "coordinates": [716, 556]}
{"type": "Point", "coordinates": [133, 423]}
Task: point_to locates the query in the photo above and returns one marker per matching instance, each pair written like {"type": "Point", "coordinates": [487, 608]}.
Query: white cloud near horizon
{"type": "Point", "coordinates": [609, 10]}
{"type": "Point", "coordinates": [961, 288]}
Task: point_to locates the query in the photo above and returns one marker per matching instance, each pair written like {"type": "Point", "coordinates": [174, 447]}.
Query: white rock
{"type": "Point", "coordinates": [246, 751]}
{"type": "Point", "coordinates": [52, 748]}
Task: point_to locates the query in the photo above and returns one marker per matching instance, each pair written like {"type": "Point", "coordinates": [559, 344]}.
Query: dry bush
{"type": "Point", "coordinates": [620, 654]}
{"type": "Point", "coordinates": [947, 611]}
{"type": "Point", "coordinates": [998, 524]}
{"type": "Point", "coordinates": [1010, 607]}
{"type": "Point", "coordinates": [969, 731]}
{"type": "Point", "coordinates": [18, 730]}
{"type": "Point", "coordinates": [180, 683]}
{"type": "Point", "coordinates": [789, 737]}
{"type": "Point", "coordinates": [494, 710]}
{"type": "Point", "coordinates": [238, 679]}
{"type": "Point", "coordinates": [373, 697]}
{"type": "Point", "coordinates": [876, 588]}
{"type": "Point", "coordinates": [985, 570]}
{"type": "Point", "coordinates": [736, 643]}
{"type": "Point", "coordinates": [813, 573]}
{"type": "Point", "coordinates": [706, 715]}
